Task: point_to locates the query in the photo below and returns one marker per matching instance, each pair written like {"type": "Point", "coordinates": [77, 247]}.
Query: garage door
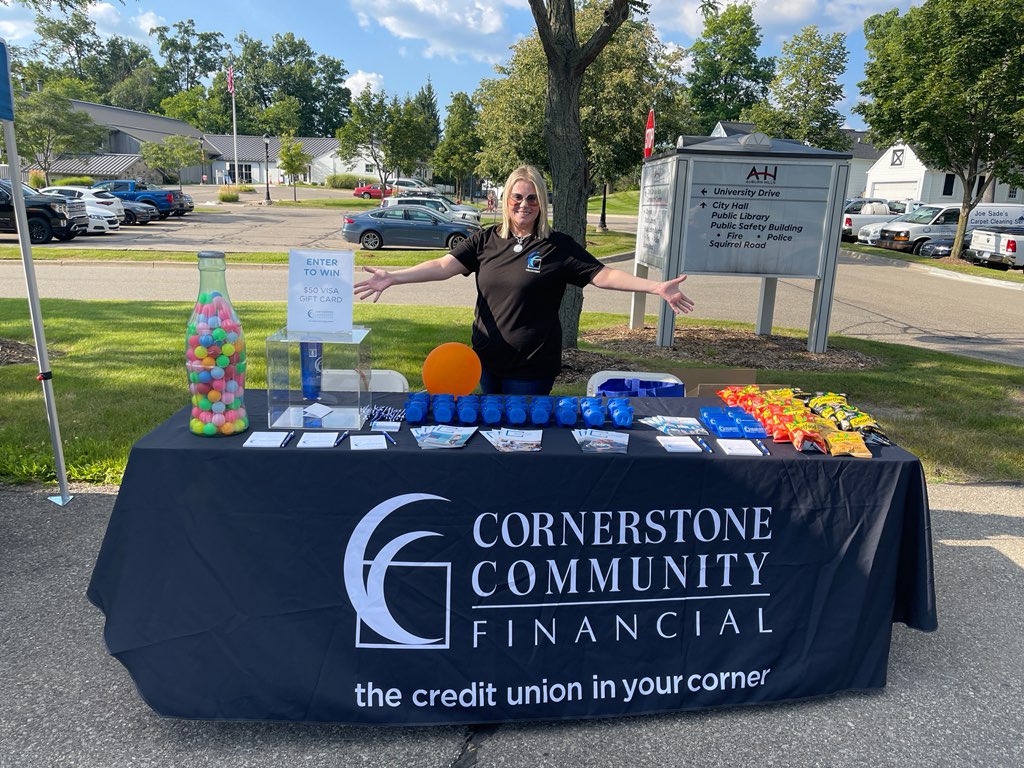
{"type": "Point", "coordinates": [895, 190]}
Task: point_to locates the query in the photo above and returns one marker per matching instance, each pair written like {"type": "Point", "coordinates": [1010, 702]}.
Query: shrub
{"type": "Point", "coordinates": [245, 188]}
{"type": "Point", "coordinates": [343, 181]}
{"type": "Point", "coordinates": [227, 194]}
{"type": "Point", "coordinates": [37, 180]}
{"type": "Point", "coordinates": [75, 181]}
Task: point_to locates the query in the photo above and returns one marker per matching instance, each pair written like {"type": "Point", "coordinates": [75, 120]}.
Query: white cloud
{"type": "Point", "coordinates": [452, 29]}
{"type": "Point", "coordinates": [360, 79]}
{"type": "Point", "coordinates": [13, 30]}
{"type": "Point", "coordinates": [111, 19]}
{"type": "Point", "coordinates": [146, 21]}
{"type": "Point", "coordinates": [363, 20]}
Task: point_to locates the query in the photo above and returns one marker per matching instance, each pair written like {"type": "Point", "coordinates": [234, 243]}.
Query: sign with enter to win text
{"type": "Point", "coordinates": [320, 291]}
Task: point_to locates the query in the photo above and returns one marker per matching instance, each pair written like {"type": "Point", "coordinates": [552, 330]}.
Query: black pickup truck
{"type": "Point", "coordinates": [49, 216]}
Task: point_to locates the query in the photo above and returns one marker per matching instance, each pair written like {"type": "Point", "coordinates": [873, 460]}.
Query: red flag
{"type": "Point", "coordinates": [649, 135]}
{"type": "Point", "coordinates": [231, 79]}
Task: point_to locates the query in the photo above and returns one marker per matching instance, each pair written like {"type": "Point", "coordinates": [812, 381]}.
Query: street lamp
{"type": "Point", "coordinates": [602, 225]}
{"type": "Point", "coordinates": [266, 147]}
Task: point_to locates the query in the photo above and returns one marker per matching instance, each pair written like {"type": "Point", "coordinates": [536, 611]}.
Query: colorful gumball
{"type": "Point", "coordinates": [451, 368]}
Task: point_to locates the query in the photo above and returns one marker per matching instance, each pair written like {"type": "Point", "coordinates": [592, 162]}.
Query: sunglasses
{"type": "Point", "coordinates": [515, 197]}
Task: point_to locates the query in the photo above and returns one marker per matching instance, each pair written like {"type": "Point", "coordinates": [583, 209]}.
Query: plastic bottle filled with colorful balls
{"type": "Point", "coordinates": [215, 356]}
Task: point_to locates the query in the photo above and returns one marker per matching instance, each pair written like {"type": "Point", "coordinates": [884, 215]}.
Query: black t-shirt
{"type": "Point", "coordinates": [516, 331]}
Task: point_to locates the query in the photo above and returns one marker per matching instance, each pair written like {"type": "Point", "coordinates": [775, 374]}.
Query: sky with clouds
{"type": "Point", "coordinates": [396, 45]}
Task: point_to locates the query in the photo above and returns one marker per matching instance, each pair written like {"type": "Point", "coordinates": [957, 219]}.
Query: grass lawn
{"type": "Point", "coordinates": [601, 244]}
{"type": "Point", "coordinates": [619, 203]}
{"type": "Point", "coordinates": [119, 371]}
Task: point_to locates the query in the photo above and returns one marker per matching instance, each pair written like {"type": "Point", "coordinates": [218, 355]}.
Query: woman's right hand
{"type": "Point", "coordinates": [375, 285]}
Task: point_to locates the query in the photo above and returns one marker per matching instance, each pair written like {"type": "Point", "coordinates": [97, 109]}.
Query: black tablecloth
{"type": "Point", "coordinates": [412, 586]}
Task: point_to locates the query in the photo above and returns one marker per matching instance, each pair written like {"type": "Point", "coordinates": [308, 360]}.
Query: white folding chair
{"type": "Point", "coordinates": [601, 377]}
{"type": "Point", "coordinates": [347, 380]}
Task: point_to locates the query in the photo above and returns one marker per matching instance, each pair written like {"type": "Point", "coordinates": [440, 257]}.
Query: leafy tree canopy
{"type": "Point", "coordinates": [727, 75]}
{"type": "Point", "coordinates": [172, 155]}
{"type": "Point", "coordinates": [805, 90]}
{"type": "Point", "coordinates": [456, 154]}
{"type": "Point", "coordinates": [48, 128]}
{"type": "Point", "coordinates": [292, 160]}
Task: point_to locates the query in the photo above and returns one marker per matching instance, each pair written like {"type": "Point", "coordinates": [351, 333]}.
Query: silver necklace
{"type": "Point", "coordinates": [518, 247]}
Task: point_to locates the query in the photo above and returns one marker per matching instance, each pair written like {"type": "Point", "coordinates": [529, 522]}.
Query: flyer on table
{"type": "Point", "coordinates": [320, 291]}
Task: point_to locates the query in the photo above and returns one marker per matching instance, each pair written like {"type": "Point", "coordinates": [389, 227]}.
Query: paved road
{"type": "Point", "coordinates": [876, 298]}
{"type": "Point", "coordinates": [953, 697]}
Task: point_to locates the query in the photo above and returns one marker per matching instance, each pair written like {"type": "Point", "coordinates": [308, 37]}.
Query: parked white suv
{"type": "Point", "coordinates": [91, 197]}
{"type": "Point", "coordinates": [438, 203]}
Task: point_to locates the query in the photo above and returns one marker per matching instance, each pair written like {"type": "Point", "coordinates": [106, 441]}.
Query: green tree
{"type": "Point", "coordinates": [282, 117]}
{"type": "Point", "coordinates": [366, 133]}
{"type": "Point", "coordinates": [409, 135]}
{"type": "Point", "coordinates": [425, 101]}
{"type": "Point", "coordinates": [805, 90]}
{"type": "Point", "coordinates": [727, 76]}
{"type": "Point", "coordinates": [189, 56]}
{"type": "Point", "coordinates": [292, 160]}
{"type": "Point", "coordinates": [68, 41]}
{"type": "Point", "coordinates": [201, 108]}
{"type": "Point", "coordinates": [285, 74]}
{"type": "Point", "coordinates": [172, 155]}
{"type": "Point", "coordinates": [456, 153]}
{"type": "Point", "coordinates": [48, 129]}
{"type": "Point", "coordinates": [945, 78]}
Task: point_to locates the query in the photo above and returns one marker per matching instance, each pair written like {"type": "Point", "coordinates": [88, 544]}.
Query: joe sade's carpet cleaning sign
{"type": "Point", "coordinates": [555, 614]}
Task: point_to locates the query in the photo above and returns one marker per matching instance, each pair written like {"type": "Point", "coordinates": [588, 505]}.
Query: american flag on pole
{"type": "Point", "coordinates": [231, 79]}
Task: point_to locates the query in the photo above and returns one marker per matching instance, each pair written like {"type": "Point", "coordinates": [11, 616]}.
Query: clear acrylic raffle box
{"type": "Point", "coordinates": [318, 380]}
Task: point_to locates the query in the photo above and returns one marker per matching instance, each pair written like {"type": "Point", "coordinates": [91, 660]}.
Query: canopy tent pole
{"type": "Point", "coordinates": [45, 376]}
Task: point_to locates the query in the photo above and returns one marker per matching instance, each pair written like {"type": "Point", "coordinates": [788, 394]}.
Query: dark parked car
{"type": "Point", "coordinates": [941, 247]}
{"type": "Point", "coordinates": [138, 213]}
{"type": "Point", "coordinates": [189, 206]}
{"type": "Point", "coordinates": [406, 225]}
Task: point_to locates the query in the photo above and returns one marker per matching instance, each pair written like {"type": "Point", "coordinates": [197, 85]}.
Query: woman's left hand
{"type": "Point", "coordinates": [679, 301]}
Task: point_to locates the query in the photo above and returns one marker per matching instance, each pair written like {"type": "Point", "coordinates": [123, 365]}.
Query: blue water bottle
{"type": "Point", "coordinates": [312, 363]}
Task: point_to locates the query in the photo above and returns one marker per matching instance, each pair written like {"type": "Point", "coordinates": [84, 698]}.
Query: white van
{"type": "Point", "coordinates": [928, 222]}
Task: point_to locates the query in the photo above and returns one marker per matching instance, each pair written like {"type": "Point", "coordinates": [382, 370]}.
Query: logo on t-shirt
{"type": "Point", "coordinates": [533, 261]}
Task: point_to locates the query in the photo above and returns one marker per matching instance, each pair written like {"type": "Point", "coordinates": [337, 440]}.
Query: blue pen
{"type": "Point", "coordinates": [342, 437]}
{"type": "Point", "coordinates": [390, 438]}
{"type": "Point", "coordinates": [760, 445]}
{"type": "Point", "coordinates": [287, 439]}
{"type": "Point", "coordinates": [701, 442]}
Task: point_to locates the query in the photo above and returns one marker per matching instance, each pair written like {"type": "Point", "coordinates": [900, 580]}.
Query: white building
{"type": "Point", "coordinates": [900, 175]}
{"type": "Point", "coordinates": [258, 160]}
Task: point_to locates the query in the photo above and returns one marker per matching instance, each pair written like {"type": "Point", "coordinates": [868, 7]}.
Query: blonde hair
{"type": "Point", "coordinates": [541, 228]}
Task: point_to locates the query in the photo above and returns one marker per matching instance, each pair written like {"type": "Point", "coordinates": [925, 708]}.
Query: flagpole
{"type": "Point", "coordinates": [45, 376]}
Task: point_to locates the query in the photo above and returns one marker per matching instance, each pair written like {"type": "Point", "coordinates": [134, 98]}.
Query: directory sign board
{"type": "Point", "coordinates": [657, 219]}
{"type": "Point", "coordinates": [756, 217]}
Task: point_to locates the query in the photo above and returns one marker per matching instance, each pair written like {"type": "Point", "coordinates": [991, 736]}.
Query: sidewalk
{"type": "Point", "coordinates": [953, 696]}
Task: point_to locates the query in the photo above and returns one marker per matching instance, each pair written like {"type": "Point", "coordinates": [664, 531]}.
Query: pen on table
{"type": "Point", "coordinates": [342, 437]}
{"type": "Point", "coordinates": [760, 445]}
{"type": "Point", "coordinates": [703, 444]}
{"type": "Point", "coordinates": [287, 438]}
{"type": "Point", "coordinates": [390, 438]}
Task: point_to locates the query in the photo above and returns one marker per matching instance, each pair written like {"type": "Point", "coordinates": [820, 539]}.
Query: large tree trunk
{"type": "Point", "coordinates": [568, 167]}
{"type": "Point", "coordinates": [567, 62]}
